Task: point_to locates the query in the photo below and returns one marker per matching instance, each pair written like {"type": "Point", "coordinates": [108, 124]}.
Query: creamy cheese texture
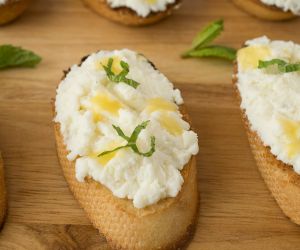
{"type": "Point", "coordinates": [142, 7]}
{"type": "Point", "coordinates": [88, 104]}
{"type": "Point", "coordinates": [286, 5]}
{"type": "Point", "coordinates": [272, 99]}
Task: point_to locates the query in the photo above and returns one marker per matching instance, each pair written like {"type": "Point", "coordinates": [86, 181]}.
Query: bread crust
{"type": "Point", "coordinates": [263, 11]}
{"type": "Point", "coordinates": [127, 16]}
{"type": "Point", "coordinates": [167, 225]}
{"type": "Point", "coordinates": [282, 181]}
{"type": "Point", "coordinates": [12, 10]}
{"type": "Point", "coordinates": [3, 204]}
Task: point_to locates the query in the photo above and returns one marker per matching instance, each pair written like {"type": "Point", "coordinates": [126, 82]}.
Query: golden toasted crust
{"type": "Point", "coordinates": [281, 179]}
{"type": "Point", "coordinates": [12, 9]}
{"type": "Point", "coordinates": [127, 16]}
{"type": "Point", "coordinates": [3, 204]}
{"type": "Point", "coordinates": [263, 11]}
{"type": "Point", "coordinates": [169, 224]}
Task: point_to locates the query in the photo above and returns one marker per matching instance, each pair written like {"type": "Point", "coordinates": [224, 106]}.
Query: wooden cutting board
{"type": "Point", "coordinates": [236, 212]}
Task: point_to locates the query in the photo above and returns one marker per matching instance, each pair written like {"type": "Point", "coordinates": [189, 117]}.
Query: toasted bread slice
{"type": "Point", "coordinates": [127, 16]}
{"type": "Point", "coordinates": [12, 9]}
{"type": "Point", "coordinates": [263, 11]}
{"type": "Point", "coordinates": [281, 179]}
{"type": "Point", "coordinates": [166, 225]}
{"type": "Point", "coordinates": [2, 194]}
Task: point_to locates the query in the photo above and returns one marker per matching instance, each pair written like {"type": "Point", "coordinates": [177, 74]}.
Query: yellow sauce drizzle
{"type": "Point", "coordinates": [249, 57]}
{"type": "Point", "coordinates": [104, 159]}
{"type": "Point", "coordinates": [291, 130]}
{"type": "Point", "coordinates": [102, 103]}
{"type": "Point", "coordinates": [170, 124]}
{"type": "Point", "coordinates": [116, 67]}
{"type": "Point", "coordinates": [158, 103]}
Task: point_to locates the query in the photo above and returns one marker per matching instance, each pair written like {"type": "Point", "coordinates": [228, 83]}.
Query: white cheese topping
{"type": "Point", "coordinates": [142, 7]}
{"type": "Point", "coordinates": [88, 104]}
{"type": "Point", "coordinates": [271, 99]}
{"type": "Point", "coordinates": [286, 5]}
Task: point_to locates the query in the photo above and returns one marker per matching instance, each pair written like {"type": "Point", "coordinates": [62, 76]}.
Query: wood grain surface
{"type": "Point", "coordinates": [236, 210]}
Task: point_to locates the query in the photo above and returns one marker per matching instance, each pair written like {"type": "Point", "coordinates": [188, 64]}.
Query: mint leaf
{"type": "Point", "coordinates": [214, 51]}
{"type": "Point", "coordinates": [135, 134]}
{"type": "Point", "coordinates": [208, 34]}
{"type": "Point", "coordinates": [110, 151]}
{"type": "Point", "coordinates": [11, 56]}
{"type": "Point", "coordinates": [147, 154]}
{"type": "Point", "coordinates": [121, 77]}
{"type": "Point", "coordinates": [131, 141]}
{"type": "Point", "coordinates": [120, 132]}
{"type": "Point", "coordinates": [283, 66]}
{"type": "Point", "coordinates": [201, 44]}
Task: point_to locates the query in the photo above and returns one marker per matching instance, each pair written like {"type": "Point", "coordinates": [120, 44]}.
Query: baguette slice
{"type": "Point", "coordinates": [168, 224]}
{"type": "Point", "coordinates": [282, 181]}
{"type": "Point", "coordinates": [12, 9]}
{"type": "Point", "coordinates": [3, 204]}
{"type": "Point", "coordinates": [263, 11]}
{"type": "Point", "coordinates": [127, 16]}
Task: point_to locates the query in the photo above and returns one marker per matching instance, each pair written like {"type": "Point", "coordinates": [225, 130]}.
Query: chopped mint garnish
{"type": "Point", "coordinates": [282, 65]}
{"type": "Point", "coordinates": [131, 141]}
{"type": "Point", "coordinates": [121, 77]}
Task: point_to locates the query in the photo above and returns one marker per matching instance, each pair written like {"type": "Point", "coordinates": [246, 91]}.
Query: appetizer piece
{"type": "Point", "coordinates": [11, 9]}
{"type": "Point", "coordinates": [273, 10]}
{"type": "Point", "coordinates": [267, 81]}
{"type": "Point", "coordinates": [2, 193]}
{"type": "Point", "coordinates": [133, 12]}
{"type": "Point", "coordinates": [127, 152]}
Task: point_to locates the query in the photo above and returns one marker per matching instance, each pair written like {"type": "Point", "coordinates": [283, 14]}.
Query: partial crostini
{"type": "Point", "coordinates": [11, 9]}
{"type": "Point", "coordinates": [133, 13]}
{"type": "Point", "coordinates": [272, 10]}
{"type": "Point", "coordinates": [266, 80]}
{"type": "Point", "coordinates": [127, 152]}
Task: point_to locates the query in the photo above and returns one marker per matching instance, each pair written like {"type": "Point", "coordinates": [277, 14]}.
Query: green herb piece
{"type": "Point", "coordinates": [208, 34]}
{"type": "Point", "coordinates": [131, 141]}
{"type": "Point", "coordinates": [214, 51]}
{"type": "Point", "coordinates": [11, 56]}
{"type": "Point", "coordinates": [282, 65]}
{"type": "Point", "coordinates": [121, 77]}
{"type": "Point", "coordinates": [201, 44]}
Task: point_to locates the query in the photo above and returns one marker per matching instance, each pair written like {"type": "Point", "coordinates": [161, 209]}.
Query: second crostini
{"type": "Point", "coordinates": [272, 10]}
{"type": "Point", "coordinates": [12, 9]}
{"type": "Point", "coordinates": [127, 150]}
{"type": "Point", "coordinates": [267, 80]}
{"type": "Point", "coordinates": [133, 12]}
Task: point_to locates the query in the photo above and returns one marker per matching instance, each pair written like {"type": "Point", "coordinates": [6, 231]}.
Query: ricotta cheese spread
{"type": "Point", "coordinates": [286, 5]}
{"type": "Point", "coordinates": [88, 105]}
{"type": "Point", "coordinates": [271, 99]}
{"type": "Point", "coordinates": [142, 7]}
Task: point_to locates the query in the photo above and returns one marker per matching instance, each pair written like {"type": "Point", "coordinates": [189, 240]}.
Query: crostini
{"type": "Point", "coordinates": [267, 83]}
{"type": "Point", "coordinates": [133, 13]}
{"type": "Point", "coordinates": [11, 9]}
{"type": "Point", "coordinates": [2, 193]}
{"type": "Point", "coordinates": [127, 151]}
{"type": "Point", "coordinates": [272, 10]}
